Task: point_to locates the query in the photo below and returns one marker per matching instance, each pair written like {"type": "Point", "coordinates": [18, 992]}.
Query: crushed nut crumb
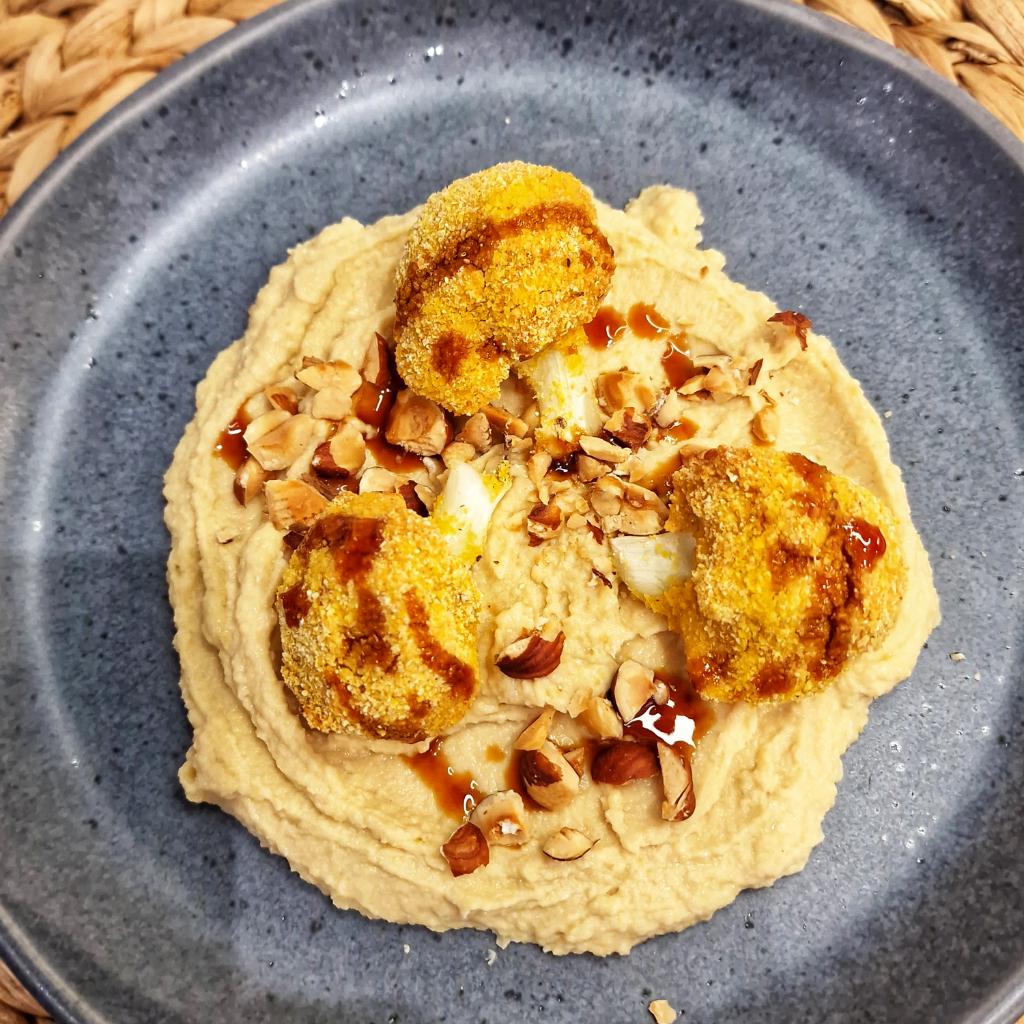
{"type": "Point", "coordinates": [662, 1011]}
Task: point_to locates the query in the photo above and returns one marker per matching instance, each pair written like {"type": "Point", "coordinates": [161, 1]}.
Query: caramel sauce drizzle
{"type": "Point", "coordinates": [659, 721]}
{"type": "Point", "coordinates": [456, 793]}
{"type": "Point", "coordinates": [645, 321]}
{"type": "Point", "coordinates": [390, 456]}
{"type": "Point", "coordinates": [230, 445]}
{"type": "Point", "coordinates": [605, 328]}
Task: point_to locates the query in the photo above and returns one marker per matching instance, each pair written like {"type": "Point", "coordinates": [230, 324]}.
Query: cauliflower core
{"type": "Point", "coordinates": [796, 571]}
{"type": "Point", "coordinates": [378, 623]}
{"type": "Point", "coordinates": [498, 265]}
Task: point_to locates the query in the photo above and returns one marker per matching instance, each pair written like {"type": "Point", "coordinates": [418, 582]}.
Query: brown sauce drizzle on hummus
{"type": "Point", "coordinates": [676, 361]}
{"type": "Point", "coordinates": [682, 430]}
{"type": "Point", "coordinates": [605, 327]}
{"type": "Point", "coordinates": [645, 321]}
{"type": "Point", "coordinates": [231, 446]}
{"type": "Point", "coordinates": [456, 793]}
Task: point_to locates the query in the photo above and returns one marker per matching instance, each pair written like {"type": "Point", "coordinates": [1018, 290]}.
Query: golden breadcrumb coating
{"type": "Point", "coordinates": [797, 570]}
{"type": "Point", "coordinates": [378, 623]}
{"type": "Point", "coordinates": [498, 265]}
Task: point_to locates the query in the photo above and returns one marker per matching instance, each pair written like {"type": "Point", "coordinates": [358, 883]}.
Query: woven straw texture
{"type": "Point", "coordinates": [65, 63]}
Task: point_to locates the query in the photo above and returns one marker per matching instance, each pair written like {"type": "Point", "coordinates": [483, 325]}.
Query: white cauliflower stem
{"type": "Point", "coordinates": [650, 565]}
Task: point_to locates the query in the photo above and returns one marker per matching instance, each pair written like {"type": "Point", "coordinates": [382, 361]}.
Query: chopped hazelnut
{"type": "Point", "coordinates": [329, 486]}
{"type": "Point", "coordinates": [692, 385]}
{"type": "Point", "coordinates": [671, 410]}
{"type": "Point", "coordinates": [348, 448]}
{"type": "Point", "coordinates": [330, 404]}
{"type": "Point", "coordinates": [377, 479]}
{"type": "Point", "coordinates": [567, 844]}
{"type": "Point", "coordinates": [548, 777]}
{"type": "Point", "coordinates": [477, 432]}
{"type": "Point", "coordinates": [518, 447]}
{"type": "Point", "coordinates": [535, 735]}
{"type": "Point", "coordinates": [765, 425]}
{"type": "Point", "coordinates": [543, 522]}
{"type": "Point", "coordinates": [531, 656]}
{"type": "Point", "coordinates": [323, 465]}
{"type": "Point", "coordinates": [504, 422]}
{"type": "Point", "coordinates": [606, 496]}
{"type": "Point", "coordinates": [656, 466]}
{"type": "Point", "coordinates": [249, 480]}
{"type": "Point", "coordinates": [634, 522]}
{"type": "Point", "coordinates": [375, 368]}
{"type": "Point", "coordinates": [634, 687]}
{"type": "Point", "coordinates": [721, 383]}
{"type": "Point", "coordinates": [677, 783]}
{"type": "Point", "coordinates": [466, 850]}
{"type": "Point", "coordinates": [337, 375]}
{"type": "Point", "coordinates": [282, 397]}
{"type": "Point", "coordinates": [625, 389]}
{"type": "Point", "coordinates": [605, 451]}
{"type": "Point", "coordinates": [622, 762]}
{"type": "Point", "coordinates": [412, 499]}
{"type": "Point", "coordinates": [637, 496]}
{"type": "Point", "coordinates": [501, 817]}
{"type": "Point", "coordinates": [417, 424]}
{"type": "Point", "coordinates": [797, 322]}
{"type": "Point", "coordinates": [577, 757]}
{"type": "Point", "coordinates": [292, 504]}
{"type": "Point", "coordinates": [426, 495]}
{"type": "Point", "coordinates": [458, 451]}
{"type": "Point", "coordinates": [280, 447]}
{"type": "Point", "coordinates": [591, 469]}
{"type": "Point", "coordinates": [264, 424]}
{"type": "Point", "coordinates": [629, 427]}
{"type": "Point", "coordinates": [536, 469]}
{"type": "Point", "coordinates": [600, 718]}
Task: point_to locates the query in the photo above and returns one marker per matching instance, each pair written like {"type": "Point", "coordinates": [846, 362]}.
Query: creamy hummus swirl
{"type": "Point", "coordinates": [350, 815]}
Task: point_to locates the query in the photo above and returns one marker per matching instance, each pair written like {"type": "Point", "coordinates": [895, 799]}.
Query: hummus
{"type": "Point", "coordinates": [364, 819]}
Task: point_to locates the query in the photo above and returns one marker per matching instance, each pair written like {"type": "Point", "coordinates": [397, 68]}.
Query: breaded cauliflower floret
{"type": "Point", "coordinates": [378, 623]}
{"type": "Point", "coordinates": [796, 571]}
{"type": "Point", "coordinates": [499, 265]}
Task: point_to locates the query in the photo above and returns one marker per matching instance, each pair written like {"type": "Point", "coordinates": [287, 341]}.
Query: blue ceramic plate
{"type": "Point", "coordinates": [835, 174]}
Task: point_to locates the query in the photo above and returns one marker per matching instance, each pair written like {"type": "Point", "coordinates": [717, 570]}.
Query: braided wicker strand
{"type": "Point", "coordinates": [65, 63]}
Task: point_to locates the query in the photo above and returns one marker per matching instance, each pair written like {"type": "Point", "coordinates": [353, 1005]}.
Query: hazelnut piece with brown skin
{"type": "Point", "coordinates": [501, 817]}
{"type": "Point", "coordinates": [548, 778]}
{"type": "Point", "coordinates": [622, 762]}
{"type": "Point", "coordinates": [466, 850]}
{"type": "Point", "coordinates": [531, 656]}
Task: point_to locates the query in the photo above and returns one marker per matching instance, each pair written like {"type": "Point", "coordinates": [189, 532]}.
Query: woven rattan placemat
{"type": "Point", "coordinates": [65, 63]}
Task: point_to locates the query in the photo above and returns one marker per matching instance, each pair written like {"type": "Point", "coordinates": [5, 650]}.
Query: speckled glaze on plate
{"type": "Point", "coordinates": [835, 175]}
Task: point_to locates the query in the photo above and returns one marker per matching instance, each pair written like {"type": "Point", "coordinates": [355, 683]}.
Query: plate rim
{"type": "Point", "coordinates": [1003, 1004]}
